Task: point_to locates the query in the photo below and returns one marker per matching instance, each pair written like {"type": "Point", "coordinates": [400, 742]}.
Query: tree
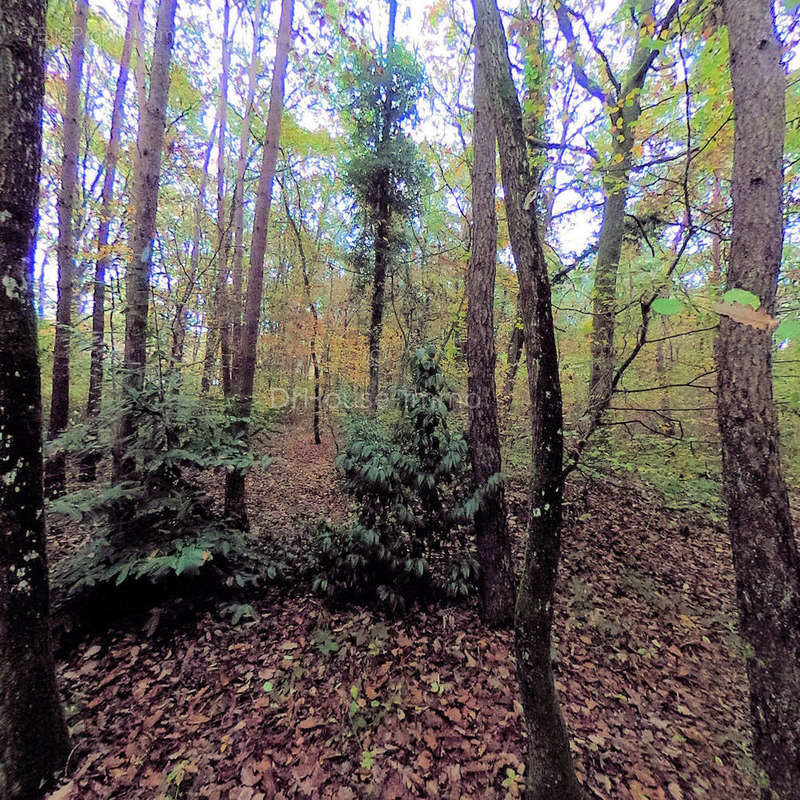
{"type": "Point", "coordinates": [622, 101]}
{"type": "Point", "coordinates": [246, 348]}
{"type": "Point", "coordinates": [237, 201]}
{"type": "Point", "coordinates": [88, 466]}
{"type": "Point", "coordinates": [491, 523]}
{"type": "Point", "coordinates": [385, 171]}
{"type": "Point", "coordinates": [381, 225]}
{"type": "Point", "coordinates": [33, 736]}
{"type": "Point", "coordinates": [180, 320]}
{"type": "Point", "coordinates": [145, 197]}
{"type": "Point", "coordinates": [59, 406]}
{"type": "Point", "coordinates": [298, 228]}
{"type": "Point", "coordinates": [549, 772]}
{"type": "Point", "coordinates": [215, 320]}
{"type": "Point", "coordinates": [764, 548]}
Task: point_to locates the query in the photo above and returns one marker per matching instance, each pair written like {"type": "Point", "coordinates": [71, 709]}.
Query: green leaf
{"type": "Point", "coordinates": [668, 306]}
{"type": "Point", "coordinates": [367, 759]}
{"type": "Point", "coordinates": [190, 559]}
{"type": "Point", "coordinates": [742, 297]}
{"type": "Point", "coordinates": [789, 328]}
{"type": "Point", "coordinates": [267, 687]}
{"type": "Point", "coordinates": [655, 44]}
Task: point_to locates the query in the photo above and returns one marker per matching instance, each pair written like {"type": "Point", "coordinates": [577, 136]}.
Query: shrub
{"type": "Point", "coordinates": [169, 540]}
{"type": "Point", "coordinates": [410, 480]}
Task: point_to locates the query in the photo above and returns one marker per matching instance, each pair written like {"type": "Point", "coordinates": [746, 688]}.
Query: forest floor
{"type": "Point", "coordinates": [306, 702]}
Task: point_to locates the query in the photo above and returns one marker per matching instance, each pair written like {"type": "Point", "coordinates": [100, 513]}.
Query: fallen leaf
{"type": "Point", "coordinates": [747, 315]}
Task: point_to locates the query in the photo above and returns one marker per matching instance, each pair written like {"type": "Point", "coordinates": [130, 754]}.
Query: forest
{"type": "Point", "coordinates": [400, 399]}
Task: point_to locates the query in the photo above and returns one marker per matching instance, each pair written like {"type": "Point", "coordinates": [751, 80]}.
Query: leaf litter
{"type": "Point", "coordinates": [309, 702]}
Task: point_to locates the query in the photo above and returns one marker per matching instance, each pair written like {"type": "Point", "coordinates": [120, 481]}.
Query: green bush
{"type": "Point", "coordinates": [410, 479]}
{"type": "Point", "coordinates": [157, 535]}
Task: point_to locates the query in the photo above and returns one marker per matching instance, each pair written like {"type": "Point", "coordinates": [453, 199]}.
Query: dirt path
{"type": "Point", "coordinates": [311, 703]}
{"type": "Point", "coordinates": [298, 487]}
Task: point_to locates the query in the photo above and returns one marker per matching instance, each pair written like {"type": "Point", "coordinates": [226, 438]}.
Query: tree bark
{"type": "Point", "coordinates": [491, 523]}
{"type": "Point", "coordinates": [216, 334]}
{"type": "Point", "coordinates": [55, 472]}
{"type": "Point", "coordinates": [549, 772]}
{"type": "Point", "coordinates": [145, 196]}
{"type": "Point", "coordinates": [89, 463]}
{"type": "Point", "coordinates": [247, 347]}
{"type": "Point", "coordinates": [33, 736]}
{"type": "Point", "coordinates": [764, 549]}
{"type": "Point", "coordinates": [238, 192]}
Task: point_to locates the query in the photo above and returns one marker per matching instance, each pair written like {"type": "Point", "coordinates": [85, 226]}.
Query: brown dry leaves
{"type": "Point", "coordinates": [747, 315]}
{"type": "Point", "coordinates": [647, 668]}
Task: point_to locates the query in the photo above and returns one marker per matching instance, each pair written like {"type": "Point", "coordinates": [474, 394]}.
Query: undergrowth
{"type": "Point", "coordinates": [155, 537]}
{"type": "Point", "coordinates": [408, 474]}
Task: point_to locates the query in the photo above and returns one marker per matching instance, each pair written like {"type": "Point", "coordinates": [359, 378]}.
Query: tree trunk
{"type": "Point", "coordinates": [55, 473]}
{"type": "Point", "coordinates": [145, 197]}
{"type": "Point", "coordinates": [247, 347]}
{"type": "Point", "coordinates": [549, 772]}
{"type": "Point", "coordinates": [33, 737]}
{"type": "Point", "coordinates": [181, 321]}
{"type": "Point", "coordinates": [140, 67]}
{"type": "Point", "coordinates": [238, 192]}
{"type": "Point", "coordinates": [215, 334]}
{"type": "Point", "coordinates": [491, 523]}
{"type": "Point", "coordinates": [382, 231]}
{"type": "Point", "coordinates": [624, 100]}
{"type": "Point", "coordinates": [516, 343]}
{"type": "Point", "coordinates": [313, 311]}
{"type": "Point", "coordinates": [377, 303]}
{"type": "Point", "coordinates": [764, 550]}
{"type": "Point", "coordinates": [89, 463]}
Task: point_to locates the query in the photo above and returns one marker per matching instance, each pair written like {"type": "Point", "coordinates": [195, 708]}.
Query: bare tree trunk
{"type": "Point", "coordinates": [55, 472]}
{"type": "Point", "coordinates": [215, 334]}
{"type": "Point", "coordinates": [491, 523]}
{"type": "Point", "coordinates": [33, 736]}
{"type": "Point", "coordinates": [145, 196]}
{"type": "Point", "coordinates": [89, 463]}
{"type": "Point", "coordinates": [238, 192]}
{"type": "Point", "coordinates": [382, 231]}
{"type": "Point", "coordinates": [247, 347]}
{"type": "Point", "coordinates": [312, 309]}
{"type": "Point", "coordinates": [184, 293]}
{"type": "Point", "coordinates": [764, 549]}
{"type": "Point", "coordinates": [549, 773]}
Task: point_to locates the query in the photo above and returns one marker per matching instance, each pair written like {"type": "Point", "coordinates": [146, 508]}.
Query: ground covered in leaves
{"type": "Point", "coordinates": [306, 702]}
